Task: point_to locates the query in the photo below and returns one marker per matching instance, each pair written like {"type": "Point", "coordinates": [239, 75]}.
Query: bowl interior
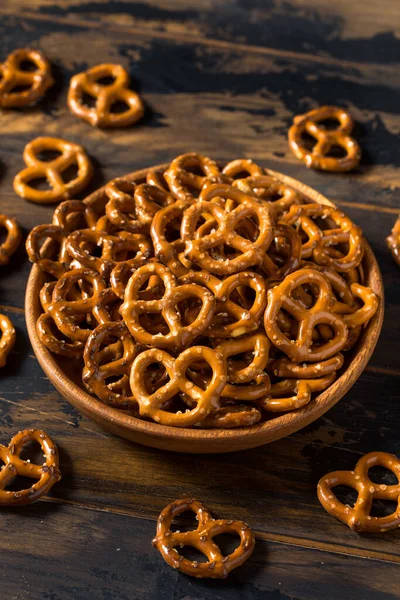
{"type": "Point", "coordinates": [65, 373]}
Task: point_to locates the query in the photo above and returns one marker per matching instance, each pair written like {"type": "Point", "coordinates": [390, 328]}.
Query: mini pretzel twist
{"type": "Point", "coordinates": [358, 517]}
{"type": "Point", "coordinates": [326, 139]}
{"type": "Point", "coordinates": [101, 115]}
{"type": "Point", "coordinates": [265, 187]}
{"type": "Point", "coordinates": [393, 241]}
{"type": "Point", "coordinates": [169, 252]}
{"type": "Point", "coordinates": [52, 170]}
{"type": "Point", "coordinates": [149, 199]}
{"type": "Point", "coordinates": [302, 349]}
{"type": "Point", "coordinates": [237, 168]}
{"type": "Point", "coordinates": [46, 475]}
{"type": "Point", "coordinates": [178, 335]}
{"type": "Point", "coordinates": [120, 208]}
{"type": "Point", "coordinates": [12, 241]}
{"type": "Point", "coordinates": [74, 214]}
{"type": "Point", "coordinates": [281, 400]}
{"type": "Point", "coordinates": [217, 566]}
{"type": "Point", "coordinates": [205, 400]}
{"type": "Point", "coordinates": [7, 340]}
{"type": "Point", "coordinates": [37, 254]}
{"type": "Point", "coordinates": [232, 416]}
{"type": "Point", "coordinates": [35, 83]}
{"type": "Point", "coordinates": [283, 367]}
{"type": "Point", "coordinates": [181, 180]}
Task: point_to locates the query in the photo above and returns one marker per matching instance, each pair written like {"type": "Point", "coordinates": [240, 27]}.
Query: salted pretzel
{"type": "Point", "coordinates": [56, 235]}
{"type": "Point", "coordinates": [7, 340]}
{"type": "Point", "coordinates": [326, 139]}
{"type": "Point", "coordinates": [241, 319]}
{"type": "Point", "coordinates": [182, 178]}
{"type": "Point", "coordinates": [178, 335]}
{"type": "Point", "coordinates": [284, 253]}
{"type": "Point", "coordinates": [74, 214]}
{"type": "Point", "coordinates": [106, 95]}
{"type": "Point", "coordinates": [149, 199]}
{"type": "Point", "coordinates": [367, 311]}
{"type": "Point", "coordinates": [283, 367]}
{"type": "Point", "coordinates": [205, 400]}
{"type": "Point", "coordinates": [157, 179]}
{"type": "Point", "coordinates": [13, 238]}
{"type": "Point", "coordinates": [231, 417]}
{"type": "Point", "coordinates": [120, 208]}
{"type": "Point", "coordinates": [13, 465]}
{"type": "Point", "coordinates": [266, 187]}
{"type": "Point", "coordinates": [393, 241]}
{"type": "Point", "coordinates": [217, 566]}
{"type": "Point", "coordinates": [248, 253]}
{"type": "Point", "coordinates": [169, 251]}
{"type": "Point", "coordinates": [52, 170]}
{"type": "Point", "coordinates": [13, 76]}
{"type": "Point", "coordinates": [292, 394]}
{"type": "Point", "coordinates": [301, 349]}
{"type": "Point", "coordinates": [242, 166]}
{"type": "Point", "coordinates": [358, 517]}
{"type": "Point", "coordinates": [100, 366]}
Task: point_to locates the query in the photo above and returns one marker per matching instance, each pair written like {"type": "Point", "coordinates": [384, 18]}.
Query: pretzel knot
{"type": "Point", "coordinates": [358, 517]}
{"type": "Point", "coordinates": [177, 334]}
{"type": "Point", "coordinates": [326, 139]}
{"type": "Point", "coordinates": [183, 179]}
{"type": "Point", "coordinates": [246, 252]}
{"type": "Point", "coordinates": [302, 349]}
{"type": "Point", "coordinates": [46, 475]}
{"type": "Point", "coordinates": [52, 170]}
{"type": "Point", "coordinates": [106, 95]}
{"type": "Point", "coordinates": [204, 400]}
{"type": "Point", "coordinates": [217, 566]}
{"type": "Point", "coordinates": [7, 340]}
{"type": "Point", "coordinates": [13, 238]}
{"type": "Point", "coordinates": [38, 255]}
{"type": "Point", "coordinates": [34, 83]}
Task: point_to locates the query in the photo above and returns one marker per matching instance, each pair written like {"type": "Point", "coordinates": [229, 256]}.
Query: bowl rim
{"type": "Point", "coordinates": [278, 426]}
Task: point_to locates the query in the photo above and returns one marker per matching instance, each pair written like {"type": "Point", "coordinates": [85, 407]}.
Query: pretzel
{"type": "Point", "coordinates": [101, 115]}
{"type": "Point", "coordinates": [240, 166]}
{"type": "Point", "coordinates": [393, 241]}
{"type": "Point", "coordinates": [326, 139]}
{"type": "Point", "coordinates": [120, 208]}
{"type": "Point", "coordinates": [55, 233]}
{"type": "Point", "coordinates": [178, 335]}
{"type": "Point", "coordinates": [217, 566]}
{"type": "Point", "coordinates": [301, 349]}
{"type": "Point", "coordinates": [97, 370]}
{"type": "Point", "coordinates": [265, 187]}
{"type": "Point", "coordinates": [248, 252]}
{"type": "Point", "coordinates": [7, 340]}
{"type": "Point", "coordinates": [207, 400]}
{"type": "Point", "coordinates": [283, 367]}
{"type": "Point", "coordinates": [52, 170]}
{"type": "Point", "coordinates": [35, 83]}
{"type": "Point", "coordinates": [11, 243]}
{"type": "Point", "coordinates": [157, 179]}
{"type": "Point", "coordinates": [169, 252]}
{"type": "Point", "coordinates": [149, 199]}
{"type": "Point", "coordinates": [79, 244]}
{"type": "Point", "coordinates": [74, 214]}
{"type": "Point", "coordinates": [358, 517]}
{"type": "Point", "coordinates": [46, 475]}
{"type": "Point", "coordinates": [181, 180]}
{"type": "Point", "coordinates": [228, 417]}
{"type": "Point", "coordinates": [245, 318]}
{"type": "Point", "coordinates": [284, 254]}
{"type": "Point", "coordinates": [280, 399]}
{"type": "Point", "coordinates": [370, 306]}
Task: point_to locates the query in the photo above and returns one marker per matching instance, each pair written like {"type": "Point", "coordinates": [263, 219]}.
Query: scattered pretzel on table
{"type": "Point", "coordinates": [12, 241]}
{"type": "Point", "coordinates": [358, 517]}
{"type": "Point", "coordinates": [311, 123]}
{"type": "Point", "coordinates": [201, 297]}
{"type": "Point", "coordinates": [217, 566]}
{"type": "Point", "coordinates": [46, 475]}
{"type": "Point", "coordinates": [35, 82]}
{"type": "Point", "coordinates": [7, 340]}
{"type": "Point", "coordinates": [52, 170]}
{"type": "Point", "coordinates": [393, 242]}
{"type": "Point", "coordinates": [105, 94]}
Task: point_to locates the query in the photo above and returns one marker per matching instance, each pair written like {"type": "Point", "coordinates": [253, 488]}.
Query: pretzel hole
{"type": "Point", "coordinates": [172, 231]}
{"type": "Point", "coordinates": [192, 554]}
{"type": "Point", "coordinates": [381, 475]}
{"type": "Point", "coordinates": [19, 89]}
{"type": "Point", "coordinates": [329, 124]}
{"type": "Point", "coordinates": [40, 183]}
{"type": "Point", "coordinates": [88, 100]}
{"type": "Point", "coordinates": [70, 173]}
{"type": "Point", "coordinates": [19, 483]}
{"type": "Point", "coordinates": [185, 521]}
{"type": "Point", "coordinates": [337, 151]}
{"type": "Point", "coordinates": [106, 80]}
{"type": "Point", "coordinates": [28, 65]}
{"type": "Point", "coordinates": [33, 452]}
{"type": "Point", "coordinates": [189, 310]}
{"type": "Point", "coordinates": [308, 141]}
{"type": "Point", "coordinates": [383, 508]}
{"type": "Point", "coordinates": [152, 289]}
{"type": "Point", "coordinates": [346, 495]}
{"type": "Point", "coordinates": [48, 155]}
{"type": "Point", "coordinates": [226, 542]}
{"type": "Point", "coordinates": [119, 107]}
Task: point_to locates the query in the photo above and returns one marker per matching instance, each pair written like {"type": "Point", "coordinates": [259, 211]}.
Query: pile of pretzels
{"type": "Point", "coordinates": [202, 297]}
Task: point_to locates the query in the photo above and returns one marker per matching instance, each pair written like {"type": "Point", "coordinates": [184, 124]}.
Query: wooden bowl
{"type": "Point", "coordinates": [67, 380]}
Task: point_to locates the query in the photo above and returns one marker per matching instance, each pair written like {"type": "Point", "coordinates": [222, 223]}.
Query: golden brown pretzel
{"type": "Point", "coordinates": [232, 416]}
{"type": "Point", "coordinates": [55, 233]}
{"type": "Point", "coordinates": [358, 517]}
{"type": "Point", "coordinates": [242, 166]}
{"type": "Point", "coordinates": [318, 158]}
{"type": "Point", "coordinates": [74, 214]}
{"type": "Point", "coordinates": [121, 206]}
{"type": "Point", "coordinates": [170, 252]}
{"type": "Point", "coordinates": [7, 340]}
{"type": "Point", "coordinates": [217, 566]}
{"type": "Point", "coordinates": [97, 370]}
{"type": "Point", "coordinates": [242, 318]}
{"type": "Point", "coordinates": [393, 241]}
{"type": "Point", "coordinates": [13, 238]}
{"type": "Point", "coordinates": [283, 367]}
{"type": "Point", "coordinates": [101, 115]}
{"type": "Point", "coordinates": [12, 76]}
{"type": "Point", "coordinates": [284, 253]}
{"type": "Point", "coordinates": [51, 170]}
{"type": "Point", "coordinates": [291, 394]}
{"type": "Point", "coordinates": [268, 188]}
{"type": "Point", "coordinates": [178, 335]}
{"type": "Point", "coordinates": [181, 180]}
{"type": "Point", "coordinates": [204, 400]}
{"type": "Point", "coordinates": [149, 199]}
{"type": "Point", "coordinates": [46, 475]}
{"type": "Point", "coordinates": [369, 308]}
{"type": "Point", "coordinates": [281, 297]}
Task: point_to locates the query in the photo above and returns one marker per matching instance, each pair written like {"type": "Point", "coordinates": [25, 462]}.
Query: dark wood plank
{"type": "Point", "coordinates": [87, 554]}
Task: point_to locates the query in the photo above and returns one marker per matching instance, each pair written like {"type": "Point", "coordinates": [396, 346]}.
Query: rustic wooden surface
{"type": "Point", "coordinates": [225, 78]}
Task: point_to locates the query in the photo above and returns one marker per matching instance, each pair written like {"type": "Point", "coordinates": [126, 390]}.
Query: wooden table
{"type": "Point", "coordinates": [224, 81]}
